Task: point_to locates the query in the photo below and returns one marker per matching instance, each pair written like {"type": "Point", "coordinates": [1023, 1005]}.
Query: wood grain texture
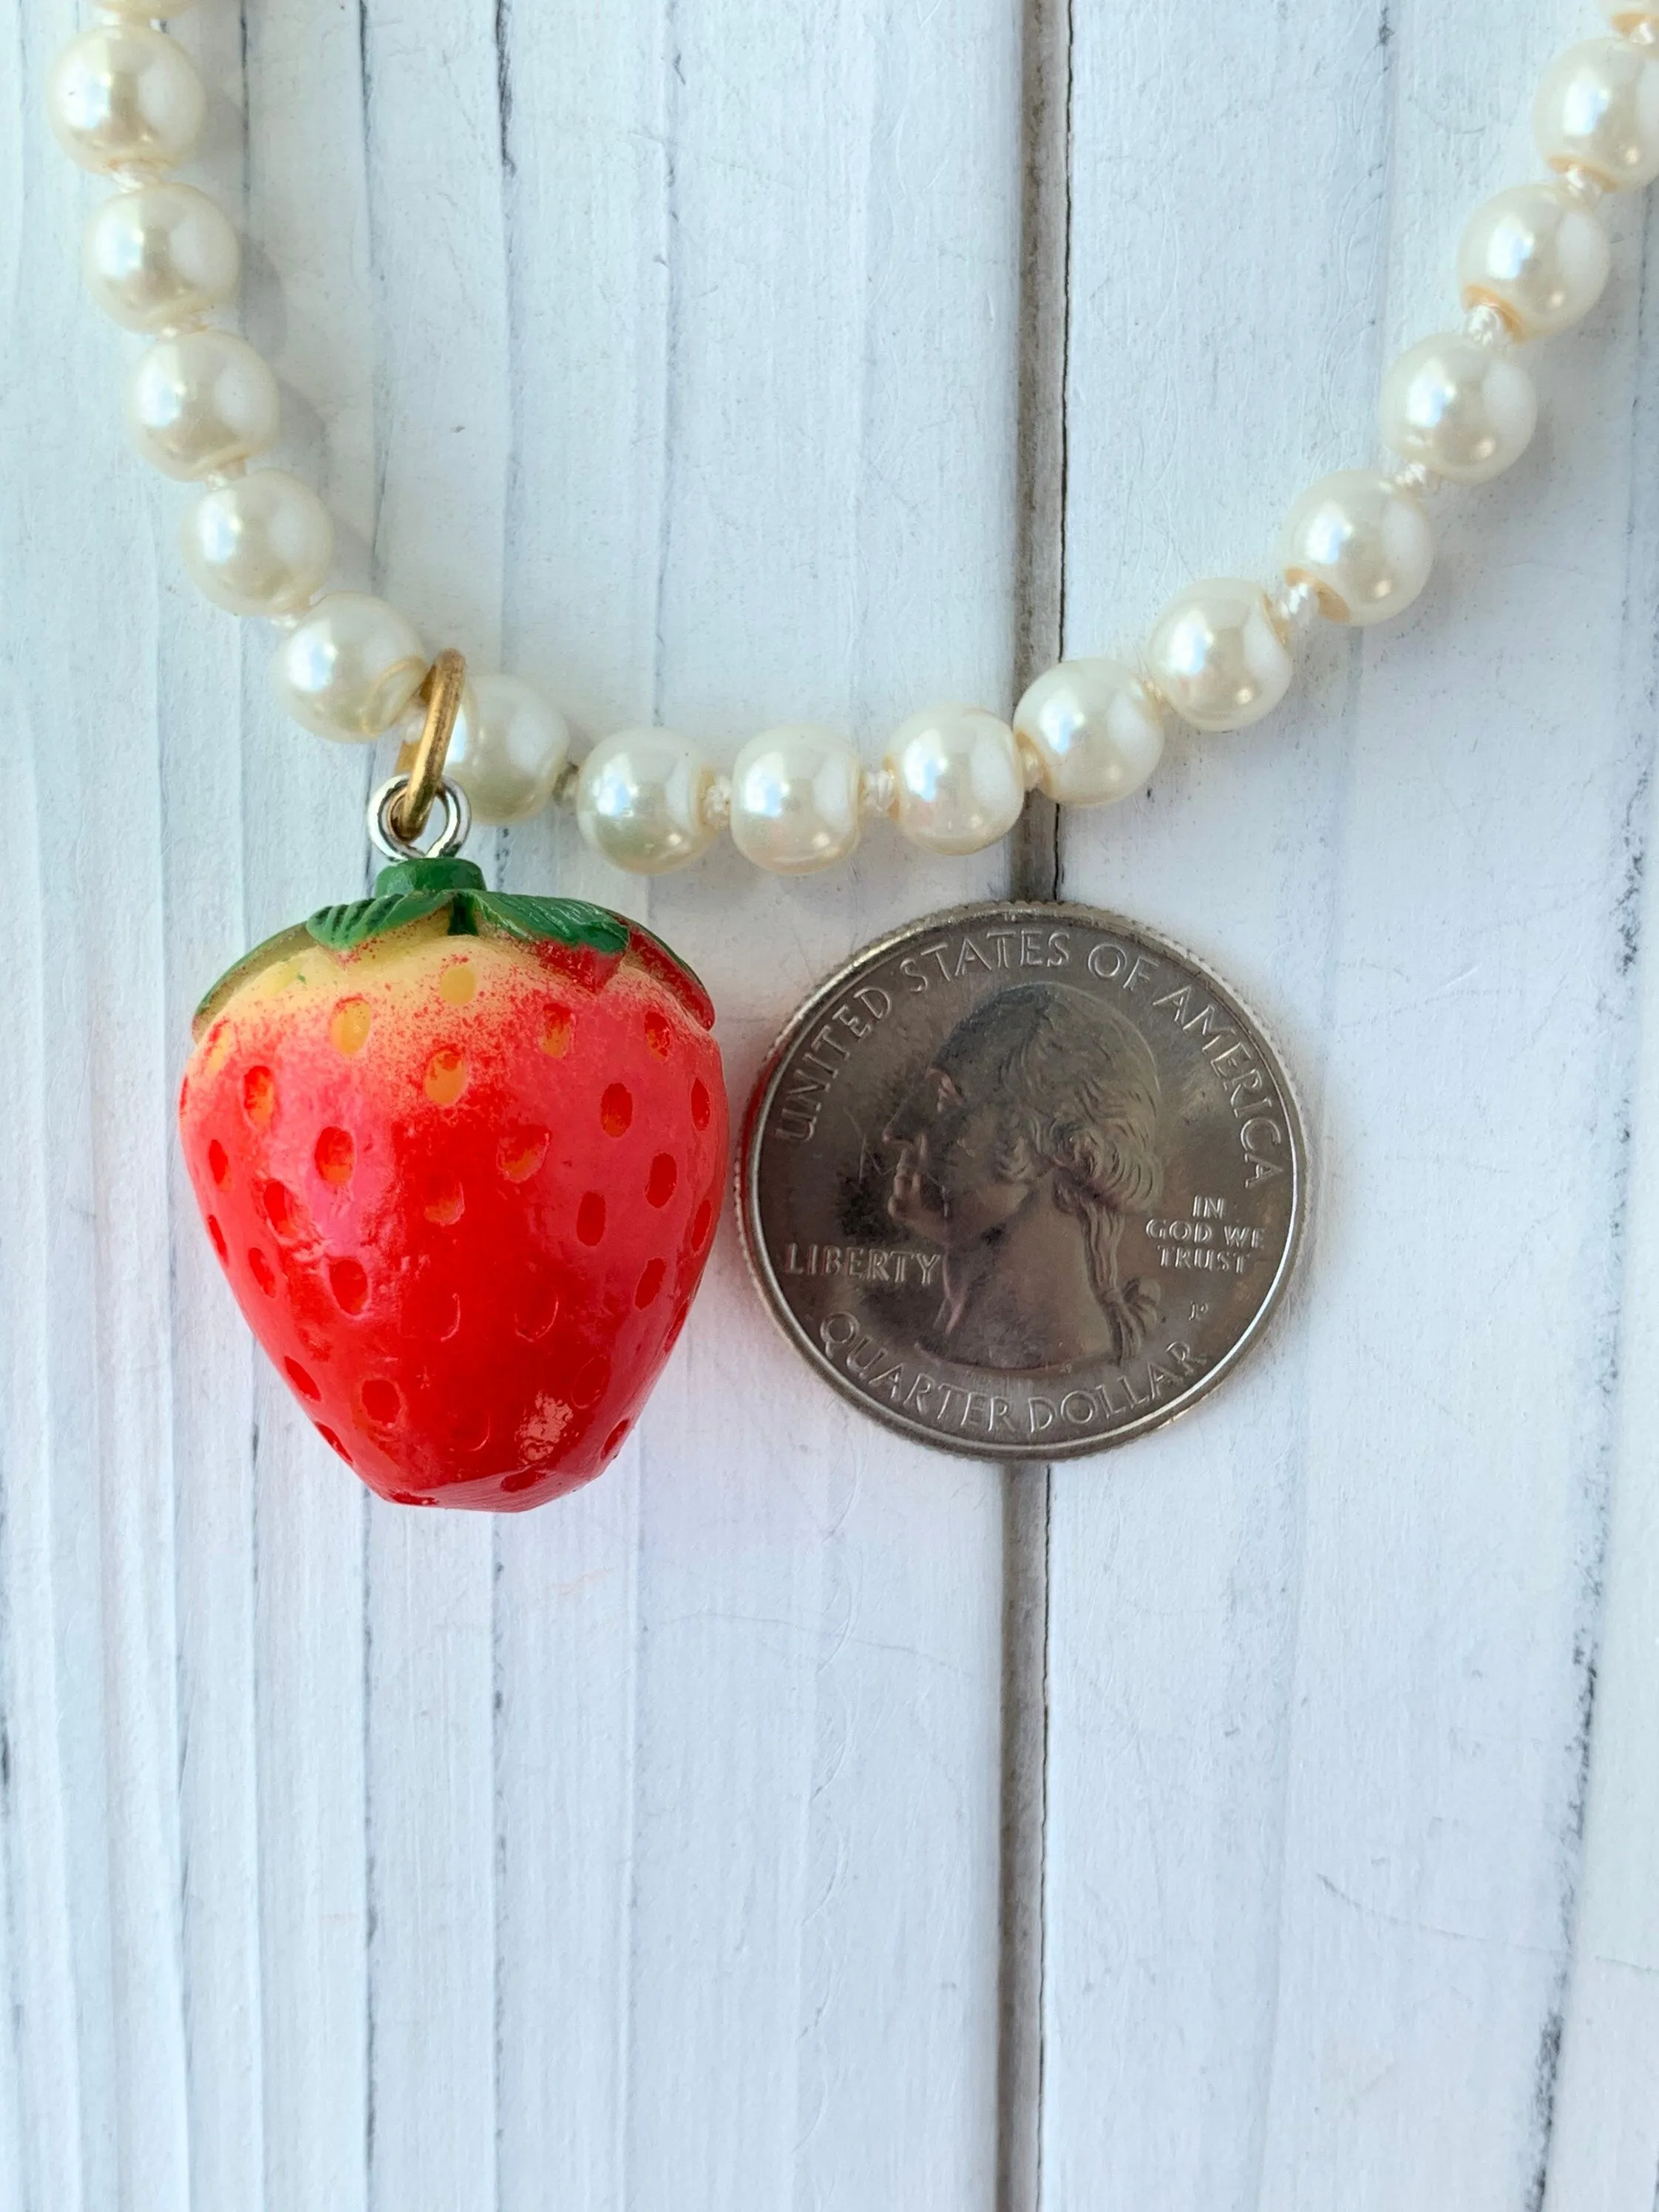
{"type": "Point", "coordinates": [354, 1857]}
{"type": "Point", "coordinates": [731, 365]}
{"type": "Point", "coordinates": [1325, 1657]}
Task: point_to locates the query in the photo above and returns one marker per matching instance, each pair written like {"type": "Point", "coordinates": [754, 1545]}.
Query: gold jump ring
{"type": "Point", "coordinates": [423, 761]}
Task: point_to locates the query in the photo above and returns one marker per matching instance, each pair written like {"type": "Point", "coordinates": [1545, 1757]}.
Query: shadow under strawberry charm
{"type": "Point", "coordinates": [460, 1154]}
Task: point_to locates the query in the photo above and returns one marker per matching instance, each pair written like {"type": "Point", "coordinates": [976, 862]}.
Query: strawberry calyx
{"type": "Point", "coordinates": [409, 890]}
{"type": "Point", "coordinates": [414, 890]}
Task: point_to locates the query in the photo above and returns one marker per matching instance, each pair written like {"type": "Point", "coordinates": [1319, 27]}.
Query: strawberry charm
{"type": "Point", "coordinates": [461, 1155]}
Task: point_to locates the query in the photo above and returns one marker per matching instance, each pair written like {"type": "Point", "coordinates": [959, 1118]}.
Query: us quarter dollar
{"type": "Point", "coordinates": [1023, 1180]}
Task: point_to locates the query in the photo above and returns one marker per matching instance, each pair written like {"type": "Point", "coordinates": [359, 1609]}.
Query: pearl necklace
{"type": "Point", "coordinates": [126, 102]}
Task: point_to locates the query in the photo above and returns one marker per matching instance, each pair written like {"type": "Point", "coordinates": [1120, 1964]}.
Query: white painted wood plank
{"type": "Point", "coordinates": [1320, 1654]}
{"type": "Point", "coordinates": [1210, 317]}
{"type": "Point", "coordinates": [198, 690]}
{"type": "Point", "coordinates": [42, 2058]}
{"type": "Point", "coordinates": [97, 1758]}
{"type": "Point", "coordinates": [778, 1805]}
{"type": "Point", "coordinates": [1536, 861]}
{"type": "Point", "coordinates": [847, 1620]}
{"type": "Point", "coordinates": [1605, 2138]}
{"type": "Point", "coordinates": [729, 280]}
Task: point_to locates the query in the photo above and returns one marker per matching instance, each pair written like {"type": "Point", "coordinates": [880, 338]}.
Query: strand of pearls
{"type": "Point", "coordinates": [160, 257]}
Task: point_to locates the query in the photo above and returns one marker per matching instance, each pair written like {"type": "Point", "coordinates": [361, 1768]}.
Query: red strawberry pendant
{"type": "Point", "coordinates": [461, 1155]}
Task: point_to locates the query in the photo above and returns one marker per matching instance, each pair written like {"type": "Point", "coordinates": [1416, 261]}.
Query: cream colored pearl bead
{"type": "Point", "coordinates": [1537, 257]}
{"type": "Point", "coordinates": [1363, 542]}
{"type": "Point", "coordinates": [349, 667]}
{"type": "Point", "coordinates": [796, 800]}
{"type": "Point", "coordinates": [1598, 110]}
{"type": "Point", "coordinates": [126, 96]}
{"type": "Point", "coordinates": [642, 801]}
{"type": "Point", "coordinates": [262, 545]}
{"type": "Point", "coordinates": [1218, 656]}
{"type": "Point", "coordinates": [1459, 407]}
{"type": "Point", "coordinates": [1092, 730]}
{"type": "Point", "coordinates": [202, 402]}
{"type": "Point", "coordinates": [508, 751]}
{"type": "Point", "coordinates": [958, 780]}
{"type": "Point", "coordinates": [155, 258]}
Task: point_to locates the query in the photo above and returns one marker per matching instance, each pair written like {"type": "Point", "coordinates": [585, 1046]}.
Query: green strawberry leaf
{"type": "Point", "coordinates": [426, 874]}
{"type": "Point", "coordinates": [566, 921]}
{"type": "Point", "coordinates": [342, 928]}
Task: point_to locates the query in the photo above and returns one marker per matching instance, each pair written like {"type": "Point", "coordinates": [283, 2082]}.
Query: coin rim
{"type": "Point", "coordinates": [746, 1177]}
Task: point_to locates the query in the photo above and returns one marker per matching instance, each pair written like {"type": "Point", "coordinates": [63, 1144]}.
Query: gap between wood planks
{"type": "Point", "coordinates": [1039, 639]}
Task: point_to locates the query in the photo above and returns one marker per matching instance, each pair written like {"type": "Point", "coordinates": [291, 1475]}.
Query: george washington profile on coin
{"type": "Point", "coordinates": [1023, 1179]}
{"type": "Point", "coordinates": [1022, 1150]}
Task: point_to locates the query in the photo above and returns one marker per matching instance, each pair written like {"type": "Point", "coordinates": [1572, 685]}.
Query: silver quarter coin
{"type": "Point", "coordinates": [1022, 1180]}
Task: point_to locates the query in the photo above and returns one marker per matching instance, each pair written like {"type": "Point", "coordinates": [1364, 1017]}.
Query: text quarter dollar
{"type": "Point", "coordinates": [1023, 1180]}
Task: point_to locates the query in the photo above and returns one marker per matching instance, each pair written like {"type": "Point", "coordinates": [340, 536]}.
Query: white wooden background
{"type": "Point", "coordinates": [711, 361]}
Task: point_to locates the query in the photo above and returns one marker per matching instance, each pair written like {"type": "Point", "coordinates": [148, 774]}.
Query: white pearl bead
{"type": "Point", "coordinates": [958, 780]}
{"type": "Point", "coordinates": [508, 751]}
{"type": "Point", "coordinates": [796, 800]}
{"type": "Point", "coordinates": [1459, 407]}
{"type": "Point", "coordinates": [1218, 656]}
{"type": "Point", "coordinates": [1598, 110]}
{"type": "Point", "coordinates": [642, 801]}
{"type": "Point", "coordinates": [1363, 542]}
{"type": "Point", "coordinates": [160, 257]}
{"type": "Point", "coordinates": [1537, 257]}
{"type": "Point", "coordinates": [202, 402]}
{"type": "Point", "coordinates": [126, 96]}
{"type": "Point", "coordinates": [350, 668]}
{"type": "Point", "coordinates": [261, 545]}
{"type": "Point", "coordinates": [1093, 730]}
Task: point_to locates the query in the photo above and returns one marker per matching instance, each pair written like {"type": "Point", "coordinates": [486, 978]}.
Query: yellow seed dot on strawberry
{"type": "Point", "coordinates": [349, 1029]}
{"type": "Point", "coordinates": [446, 1075]}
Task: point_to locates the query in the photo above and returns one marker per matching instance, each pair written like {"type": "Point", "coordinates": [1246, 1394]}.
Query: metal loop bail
{"type": "Point", "coordinates": [384, 816]}
{"type": "Point", "coordinates": [421, 762]}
